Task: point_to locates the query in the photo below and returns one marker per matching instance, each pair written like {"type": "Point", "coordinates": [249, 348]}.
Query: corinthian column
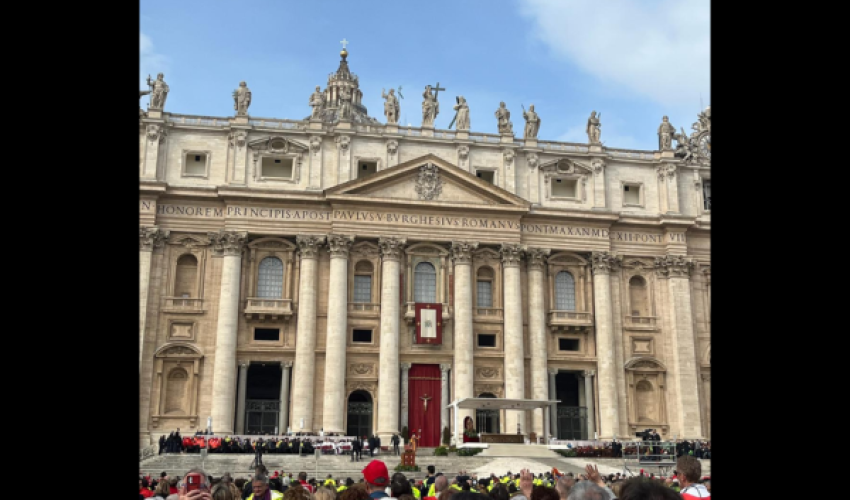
{"type": "Point", "coordinates": [609, 419]}
{"type": "Point", "coordinates": [149, 238]}
{"type": "Point", "coordinates": [303, 380]}
{"type": "Point", "coordinates": [335, 365]}
{"type": "Point", "coordinates": [388, 383]}
{"type": "Point", "coordinates": [514, 352]}
{"type": "Point", "coordinates": [536, 261]}
{"type": "Point", "coordinates": [463, 340]}
{"type": "Point", "coordinates": [676, 270]}
{"type": "Point", "coordinates": [227, 245]}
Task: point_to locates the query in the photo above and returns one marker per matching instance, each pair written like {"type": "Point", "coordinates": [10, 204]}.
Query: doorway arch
{"type": "Point", "coordinates": [360, 410]}
{"type": "Point", "coordinates": [487, 420]}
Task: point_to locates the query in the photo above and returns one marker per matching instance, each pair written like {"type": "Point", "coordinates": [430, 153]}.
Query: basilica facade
{"type": "Point", "coordinates": [341, 274]}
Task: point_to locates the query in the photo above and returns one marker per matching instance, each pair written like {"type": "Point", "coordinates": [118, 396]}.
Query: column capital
{"type": "Point", "coordinates": [243, 363]}
{"type": "Point", "coordinates": [228, 242]}
{"type": "Point", "coordinates": [151, 237]}
{"type": "Point", "coordinates": [391, 247]}
{"type": "Point", "coordinates": [536, 258]}
{"type": "Point", "coordinates": [339, 245]}
{"type": "Point", "coordinates": [673, 266]}
{"type": "Point", "coordinates": [462, 251]}
{"type": "Point", "coordinates": [405, 366]}
{"type": "Point", "coordinates": [604, 262]}
{"type": "Point", "coordinates": [553, 371]}
{"type": "Point", "coordinates": [286, 364]}
{"type": "Point", "coordinates": [309, 245]}
{"type": "Point", "coordinates": [588, 373]}
{"type": "Point", "coordinates": [445, 367]}
{"type": "Point", "coordinates": [511, 254]}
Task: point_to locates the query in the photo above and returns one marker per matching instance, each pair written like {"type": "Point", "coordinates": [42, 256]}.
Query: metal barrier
{"type": "Point", "coordinates": [649, 454]}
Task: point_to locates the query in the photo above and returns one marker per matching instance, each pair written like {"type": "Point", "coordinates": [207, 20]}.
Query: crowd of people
{"type": "Point", "coordinates": [685, 483]}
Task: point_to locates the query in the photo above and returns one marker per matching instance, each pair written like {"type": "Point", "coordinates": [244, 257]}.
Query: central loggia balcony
{"type": "Point", "coordinates": [268, 309]}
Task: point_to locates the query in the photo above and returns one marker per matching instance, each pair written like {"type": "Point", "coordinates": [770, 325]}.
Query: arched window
{"type": "Point", "coordinates": [363, 281]}
{"type": "Point", "coordinates": [485, 287]}
{"type": "Point", "coordinates": [186, 276]}
{"type": "Point", "coordinates": [637, 296]}
{"type": "Point", "coordinates": [175, 392]}
{"type": "Point", "coordinates": [425, 283]}
{"type": "Point", "coordinates": [270, 282]}
{"type": "Point", "coordinates": [565, 292]}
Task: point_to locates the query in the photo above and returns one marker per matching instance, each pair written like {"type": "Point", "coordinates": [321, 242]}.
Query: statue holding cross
{"type": "Point", "coordinates": [430, 105]}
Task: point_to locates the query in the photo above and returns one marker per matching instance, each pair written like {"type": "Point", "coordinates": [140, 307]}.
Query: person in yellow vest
{"type": "Point", "coordinates": [538, 481]}
{"type": "Point", "coordinates": [260, 485]}
{"type": "Point", "coordinates": [344, 486]}
{"type": "Point", "coordinates": [329, 482]}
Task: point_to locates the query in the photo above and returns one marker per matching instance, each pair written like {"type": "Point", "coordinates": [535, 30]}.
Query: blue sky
{"type": "Point", "coordinates": [632, 60]}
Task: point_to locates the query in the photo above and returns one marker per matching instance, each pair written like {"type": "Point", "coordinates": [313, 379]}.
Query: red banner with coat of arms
{"type": "Point", "coordinates": [429, 324]}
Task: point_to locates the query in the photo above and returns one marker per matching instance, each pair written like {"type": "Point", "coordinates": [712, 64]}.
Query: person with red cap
{"type": "Point", "coordinates": [377, 479]}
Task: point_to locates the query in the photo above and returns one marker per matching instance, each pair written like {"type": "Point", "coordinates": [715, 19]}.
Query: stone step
{"type": "Point", "coordinates": [518, 450]}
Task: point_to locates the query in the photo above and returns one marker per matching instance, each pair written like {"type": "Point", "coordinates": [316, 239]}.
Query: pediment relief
{"type": "Point", "coordinates": [426, 249]}
{"type": "Point", "coordinates": [486, 255]}
{"type": "Point", "coordinates": [638, 264]}
{"type": "Point", "coordinates": [272, 244]}
{"type": "Point", "coordinates": [428, 179]}
{"type": "Point", "coordinates": [277, 144]}
{"type": "Point", "coordinates": [188, 240]}
{"type": "Point", "coordinates": [365, 249]}
{"type": "Point", "coordinates": [566, 259]}
{"type": "Point", "coordinates": [564, 166]}
{"type": "Point", "coordinates": [645, 364]}
{"type": "Point", "coordinates": [179, 350]}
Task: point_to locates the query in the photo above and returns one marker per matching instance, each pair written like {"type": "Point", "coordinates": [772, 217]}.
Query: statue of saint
{"type": "Point", "coordinates": [532, 123]}
{"type": "Point", "coordinates": [430, 107]}
{"type": "Point", "coordinates": [317, 101]}
{"type": "Point", "coordinates": [159, 92]}
{"type": "Point", "coordinates": [344, 103]}
{"type": "Point", "coordinates": [504, 117]}
{"type": "Point", "coordinates": [462, 113]}
{"type": "Point", "coordinates": [390, 106]}
{"type": "Point", "coordinates": [665, 134]}
{"type": "Point", "coordinates": [242, 99]}
{"type": "Point", "coordinates": [593, 125]}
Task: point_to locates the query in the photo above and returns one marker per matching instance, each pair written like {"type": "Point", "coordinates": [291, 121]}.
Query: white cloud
{"type": "Point", "coordinates": [150, 62]}
{"type": "Point", "coordinates": [657, 49]}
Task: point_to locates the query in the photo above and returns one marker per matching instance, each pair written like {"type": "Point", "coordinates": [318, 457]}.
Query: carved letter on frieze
{"type": "Point", "coordinates": [532, 160]}
{"type": "Point", "coordinates": [604, 262]}
{"type": "Point", "coordinates": [391, 247]}
{"type": "Point", "coordinates": [315, 143]}
{"type": "Point", "coordinates": [339, 245]}
{"type": "Point", "coordinates": [462, 251]}
{"type": "Point", "coordinates": [673, 266]}
{"type": "Point", "coordinates": [392, 147]}
{"type": "Point", "coordinates": [511, 254]}
{"type": "Point", "coordinates": [228, 242]}
{"type": "Point", "coordinates": [428, 182]}
{"type": "Point", "coordinates": [342, 143]}
{"type": "Point", "coordinates": [536, 257]}
{"type": "Point", "coordinates": [309, 245]}
{"type": "Point", "coordinates": [151, 237]}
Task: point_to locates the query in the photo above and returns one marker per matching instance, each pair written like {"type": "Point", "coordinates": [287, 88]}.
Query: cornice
{"type": "Point", "coordinates": [348, 200]}
{"type": "Point", "coordinates": [152, 186]}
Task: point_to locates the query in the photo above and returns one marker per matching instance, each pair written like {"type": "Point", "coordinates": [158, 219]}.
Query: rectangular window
{"type": "Point", "coordinates": [564, 188]}
{"type": "Point", "coordinates": [631, 194]}
{"type": "Point", "coordinates": [267, 334]}
{"type": "Point", "coordinates": [195, 164]}
{"type": "Point", "coordinates": [568, 344]}
{"type": "Point", "coordinates": [276, 168]}
{"type": "Point", "coordinates": [706, 195]}
{"type": "Point", "coordinates": [487, 175]}
{"type": "Point", "coordinates": [486, 340]}
{"type": "Point", "coordinates": [363, 288]}
{"type": "Point", "coordinates": [367, 168]}
{"type": "Point", "coordinates": [485, 294]}
{"type": "Point", "coordinates": [362, 336]}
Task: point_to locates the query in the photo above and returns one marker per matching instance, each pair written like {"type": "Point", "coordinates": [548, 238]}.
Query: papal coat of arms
{"type": "Point", "coordinates": [428, 183]}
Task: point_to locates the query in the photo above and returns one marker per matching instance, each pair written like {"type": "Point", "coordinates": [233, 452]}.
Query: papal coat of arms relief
{"type": "Point", "coordinates": [428, 183]}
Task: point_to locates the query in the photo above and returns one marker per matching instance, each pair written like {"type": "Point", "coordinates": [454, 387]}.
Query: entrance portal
{"type": "Point", "coordinates": [572, 417]}
{"type": "Point", "coordinates": [359, 414]}
{"type": "Point", "coordinates": [262, 401]}
{"type": "Point", "coordinates": [487, 420]}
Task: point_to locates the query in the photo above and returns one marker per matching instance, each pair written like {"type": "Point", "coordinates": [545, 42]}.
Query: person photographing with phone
{"type": "Point", "coordinates": [195, 486]}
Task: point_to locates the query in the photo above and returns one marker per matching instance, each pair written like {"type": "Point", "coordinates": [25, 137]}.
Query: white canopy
{"type": "Point", "coordinates": [502, 404]}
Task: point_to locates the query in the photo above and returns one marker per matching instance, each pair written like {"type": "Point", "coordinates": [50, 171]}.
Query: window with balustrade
{"type": "Point", "coordinates": [270, 278]}
{"type": "Point", "coordinates": [425, 283]}
{"type": "Point", "coordinates": [484, 287]}
{"type": "Point", "coordinates": [363, 282]}
{"type": "Point", "coordinates": [185, 277]}
{"type": "Point", "coordinates": [565, 292]}
{"type": "Point", "coordinates": [638, 302]}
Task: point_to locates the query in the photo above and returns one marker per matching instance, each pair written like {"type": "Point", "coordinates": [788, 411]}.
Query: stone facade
{"type": "Point", "coordinates": [220, 196]}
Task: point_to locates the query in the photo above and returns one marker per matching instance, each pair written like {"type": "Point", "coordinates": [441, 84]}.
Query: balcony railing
{"type": "Point", "coordinates": [487, 313]}
{"type": "Point", "coordinates": [642, 322]}
{"type": "Point", "coordinates": [261, 308]}
{"type": "Point", "coordinates": [183, 305]}
{"type": "Point", "coordinates": [570, 318]}
{"type": "Point", "coordinates": [364, 309]}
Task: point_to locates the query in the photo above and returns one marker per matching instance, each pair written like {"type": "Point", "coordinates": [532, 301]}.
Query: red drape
{"type": "Point", "coordinates": [424, 381]}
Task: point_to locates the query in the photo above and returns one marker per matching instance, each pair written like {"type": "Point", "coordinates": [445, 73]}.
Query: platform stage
{"type": "Point", "coordinates": [503, 438]}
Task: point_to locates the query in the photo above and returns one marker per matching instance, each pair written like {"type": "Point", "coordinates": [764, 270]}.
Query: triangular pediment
{"type": "Point", "coordinates": [277, 144]}
{"type": "Point", "coordinates": [430, 180]}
